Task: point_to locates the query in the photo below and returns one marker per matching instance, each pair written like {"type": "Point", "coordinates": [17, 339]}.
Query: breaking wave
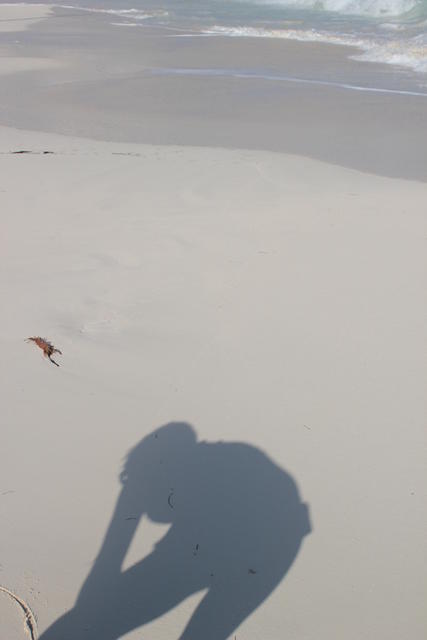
{"type": "Point", "coordinates": [351, 7]}
{"type": "Point", "coordinates": [128, 14]}
{"type": "Point", "coordinates": [404, 52]}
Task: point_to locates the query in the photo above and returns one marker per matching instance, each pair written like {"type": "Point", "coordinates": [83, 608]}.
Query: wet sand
{"type": "Point", "coordinates": [111, 85]}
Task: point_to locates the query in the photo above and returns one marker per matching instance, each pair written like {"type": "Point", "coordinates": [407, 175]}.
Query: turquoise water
{"type": "Point", "coordinates": [390, 31]}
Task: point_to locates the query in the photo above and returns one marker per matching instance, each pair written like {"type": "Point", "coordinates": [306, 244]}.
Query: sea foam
{"type": "Point", "coordinates": [350, 7]}
{"type": "Point", "coordinates": [403, 52]}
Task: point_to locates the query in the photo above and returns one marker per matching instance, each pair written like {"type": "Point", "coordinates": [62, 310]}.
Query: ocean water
{"type": "Point", "coordinates": [388, 31]}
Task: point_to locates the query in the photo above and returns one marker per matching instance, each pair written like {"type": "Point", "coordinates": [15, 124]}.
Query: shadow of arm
{"type": "Point", "coordinates": [122, 527]}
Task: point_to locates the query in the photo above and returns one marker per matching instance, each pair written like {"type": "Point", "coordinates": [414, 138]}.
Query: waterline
{"type": "Point", "coordinates": [247, 75]}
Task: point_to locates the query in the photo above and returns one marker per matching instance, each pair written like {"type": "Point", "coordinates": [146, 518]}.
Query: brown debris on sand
{"type": "Point", "coordinates": [46, 346]}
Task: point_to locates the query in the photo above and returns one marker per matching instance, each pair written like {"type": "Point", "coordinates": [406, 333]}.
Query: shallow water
{"type": "Point", "coordinates": [389, 31]}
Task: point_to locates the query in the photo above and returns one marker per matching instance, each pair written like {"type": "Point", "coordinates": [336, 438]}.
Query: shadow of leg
{"type": "Point", "coordinates": [109, 606]}
{"type": "Point", "coordinates": [228, 604]}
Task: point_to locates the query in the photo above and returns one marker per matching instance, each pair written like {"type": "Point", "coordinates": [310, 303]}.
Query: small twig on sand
{"type": "Point", "coordinates": [30, 619]}
{"type": "Point", "coordinates": [170, 499]}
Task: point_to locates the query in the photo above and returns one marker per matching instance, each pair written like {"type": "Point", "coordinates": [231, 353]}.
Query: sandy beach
{"type": "Point", "coordinates": [233, 445]}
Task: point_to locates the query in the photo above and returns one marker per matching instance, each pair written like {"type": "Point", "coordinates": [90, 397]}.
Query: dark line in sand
{"type": "Point", "coordinates": [27, 152]}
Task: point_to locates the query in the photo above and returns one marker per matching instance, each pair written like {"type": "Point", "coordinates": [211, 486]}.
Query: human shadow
{"type": "Point", "coordinates": [237, 524]}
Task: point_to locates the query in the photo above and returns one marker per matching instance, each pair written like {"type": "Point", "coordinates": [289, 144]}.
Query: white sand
{"type": "Point", "coordinates": [18, 17]}
{"type": "Point", "coordinates": [12, 65]}
{"type": "Point", "coordinates": [12, 618]}
{"type": "Point", "coordinates": [263, 298]}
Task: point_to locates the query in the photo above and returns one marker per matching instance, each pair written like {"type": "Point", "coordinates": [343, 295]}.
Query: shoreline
{"type": "Point", "coordinates": [218, 73]}
{"type": "Point", "coordinates": [301, 108]}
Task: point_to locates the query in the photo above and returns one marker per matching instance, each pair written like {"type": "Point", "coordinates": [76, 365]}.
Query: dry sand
{"type": "Point", "coordinates": [280, 304]}
{"type": "Point", "coordinates": [264, 298]}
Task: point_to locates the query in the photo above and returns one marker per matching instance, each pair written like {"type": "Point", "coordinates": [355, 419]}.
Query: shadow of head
{"type": "Point", "coordinates": [230, 489]}
{"type": "Point", "coordinates": [237, 523]}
